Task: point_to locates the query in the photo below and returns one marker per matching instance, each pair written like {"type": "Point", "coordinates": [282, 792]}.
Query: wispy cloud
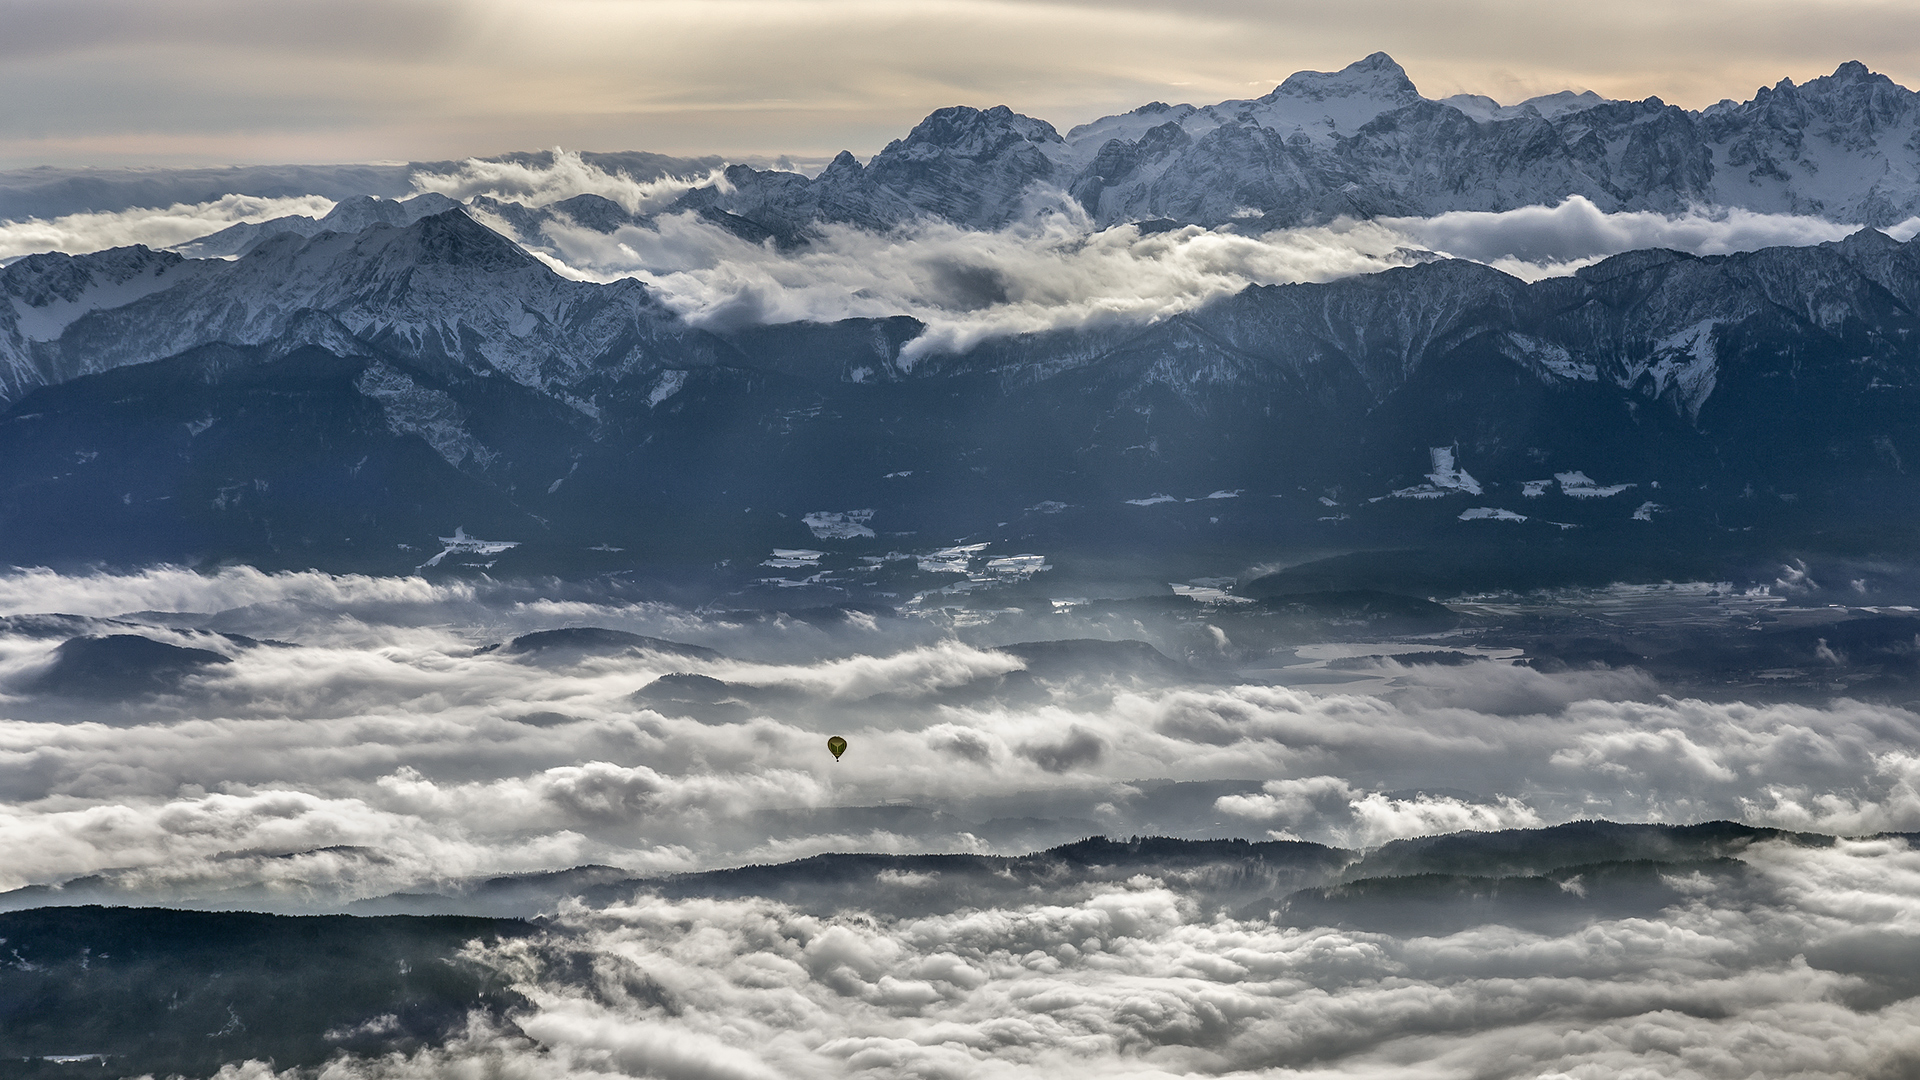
{"type": "Point", "coordinates": [156, 227]}
{"type": "Point", "coordinates": [379, 747]}
{"type": "Point", "coordinates": [1533, 241]}
{"type": "Point", "coordinates": [564, 176]}
{"type": "Point", "coordinates": [1050, 272]}
{"type": "Point", "coordinates": [1054, 269]}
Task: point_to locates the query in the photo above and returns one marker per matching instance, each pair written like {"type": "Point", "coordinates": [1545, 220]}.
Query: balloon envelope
{"type": "Point", "coordinates": [838, 745]}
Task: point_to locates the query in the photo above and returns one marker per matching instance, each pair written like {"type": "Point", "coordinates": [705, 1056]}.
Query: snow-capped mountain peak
{"type": "Point", "coordinates": [42, 295]}
{"type": "Point", "coordinates": [961, 131]}
{"type": "Point", "coordinates": [1318, 106]}
{"type": "Point", "coordinates": [1086, 140]}
{"type": "Point", "coordinates": [1375, 79]}
{"type": "Point", "coordinates": [347, 216]}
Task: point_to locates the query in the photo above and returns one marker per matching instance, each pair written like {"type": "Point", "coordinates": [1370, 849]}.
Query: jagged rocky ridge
{"type": "Point", "coordinates": [369, 392]}
{"type": "Point", "coordinates": [1363, 142]}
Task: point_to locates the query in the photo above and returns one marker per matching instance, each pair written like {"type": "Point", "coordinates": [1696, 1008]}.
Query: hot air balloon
{"type": "Point", "coordinates": [838, 746]}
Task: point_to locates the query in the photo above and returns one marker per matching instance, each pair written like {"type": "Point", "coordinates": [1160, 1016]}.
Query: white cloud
{"type": "Point", "coordinates": [1139, 980]}
{"type": "Point", "coordinates": [160, 227]}
{"type": "Point", "coordinates": [1050, 270]}
{"type": "Point", "coordinates": [381, 728]}
{"type": "Point", "coordinates": [563, 177]}
{"type": "Point", "coordinates": [379, 752]}
{"type": "Point", "coordinates": [1537, 240]}
{"type": "Point", "coordinates": [1373, 817]}
{"type": "Point", "coordinates": [1054, 270]}
{"type": "Point", "coordinates": [165, 588]}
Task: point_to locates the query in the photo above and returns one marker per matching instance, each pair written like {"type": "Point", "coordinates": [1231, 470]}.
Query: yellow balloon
{"type": "Point", "coordinates": [838, 746]}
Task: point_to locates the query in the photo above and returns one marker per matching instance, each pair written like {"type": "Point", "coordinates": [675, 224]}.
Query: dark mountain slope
{"type": "Point", "coordinates": [137, 991]}
{"type": "Point", "coordinates": [1655, 402]}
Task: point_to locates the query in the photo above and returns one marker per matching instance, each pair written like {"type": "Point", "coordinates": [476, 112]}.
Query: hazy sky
{"type": "Point", "coordinates": [207, 81]}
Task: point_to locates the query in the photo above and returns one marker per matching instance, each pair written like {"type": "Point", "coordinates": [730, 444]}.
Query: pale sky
{"type": "Point", "coordinates": [171, 82]}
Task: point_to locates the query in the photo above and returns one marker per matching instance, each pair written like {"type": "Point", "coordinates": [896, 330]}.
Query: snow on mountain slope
{"type": "Point", "coordinates": [1318, 106]}
{"type": "Point", "coordinates": [1360, 143]}
{"type": "Point", "coordinates": [1655, 324]}
{"type": "Point", "coordinates": [445, 289]}
{"type": "Point", "coordinates": [969, 166]}
{"type": "Point", "coordinates": [347, 216]}
{"type": "Point", "coordinates": [1085, 141]}
{"type": "Point", "coordinates": [42, 295]}
{"type": "Point", "coordinates": [412, 409]}
{"type": "Point", "coordinates": [1322, 106]}
{"type": "Point", "coordinates": [460, 368]}
{"type": "Point", "coordinates": [1846, 145]}
{"type": "Point", "coordinates": [1219, 194]}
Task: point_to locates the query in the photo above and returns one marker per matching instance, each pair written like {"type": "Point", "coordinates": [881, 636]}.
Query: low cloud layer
{"type": "Point", "coordinates": [1053, 269]}
{"type": "Point", "coordinates": [1768, 971]}
{"type": "Point", "coordinates": [1056, 271]}
{"type": "Point", "coordinates": [1541, 241]}
{"type": "Point", "coordinates": [366, 738]}
{"type": "Point", "coordinates": [1052, 272]}
{"type": "Point", "coordinates": [77, 234]}
{"type": "Point", "coordinates": [374, 744]}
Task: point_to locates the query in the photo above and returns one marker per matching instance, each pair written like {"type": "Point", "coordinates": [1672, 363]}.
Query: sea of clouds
{"type": "Point", "coordinates": [371, 744]}
{"type": "Point", "coordinates": [567, 174]}
{"type": "Point", "coordinates": [1795, 973]}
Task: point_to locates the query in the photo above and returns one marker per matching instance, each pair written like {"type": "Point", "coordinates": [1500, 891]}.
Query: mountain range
{"type": "Point", "coordinates": [1362, 142]}
{"type": "Point", "coordinates": [347, 400]}
{"type": "Point", "coordinates": [397, 385]}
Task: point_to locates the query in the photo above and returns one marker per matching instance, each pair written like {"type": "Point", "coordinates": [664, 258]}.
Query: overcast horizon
{"type": "Point", "coordinates": [114, 83]}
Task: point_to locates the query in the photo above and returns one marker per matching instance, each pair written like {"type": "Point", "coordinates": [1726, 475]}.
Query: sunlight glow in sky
{"type": "Point", "coordinates": [130, 82]}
